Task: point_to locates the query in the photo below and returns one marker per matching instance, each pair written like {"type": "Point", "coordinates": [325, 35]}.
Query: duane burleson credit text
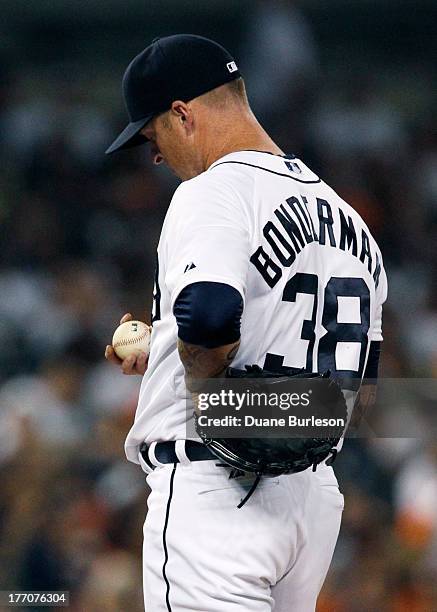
{"type": "Point", "coordinates": [251, 421]}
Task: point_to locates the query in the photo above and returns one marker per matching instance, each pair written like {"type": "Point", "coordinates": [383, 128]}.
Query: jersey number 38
{"type": "Point", "coordinates": [335, 331]}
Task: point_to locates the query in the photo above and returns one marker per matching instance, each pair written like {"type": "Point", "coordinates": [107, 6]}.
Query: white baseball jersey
{"type": "Point", "coordinates": [308, 269]}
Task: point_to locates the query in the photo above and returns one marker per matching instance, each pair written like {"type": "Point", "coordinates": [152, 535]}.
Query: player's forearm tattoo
{"type": "Point", "coordinates": [233, 352]}
{"type": "Point", "coordinates": [200, 362]}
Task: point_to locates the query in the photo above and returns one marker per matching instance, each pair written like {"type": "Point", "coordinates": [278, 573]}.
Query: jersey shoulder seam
{"type": "Point", "coordinates": [293, 178]}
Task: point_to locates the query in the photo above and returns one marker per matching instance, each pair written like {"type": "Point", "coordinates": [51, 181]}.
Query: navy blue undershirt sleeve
{"type": "Point", "coordinates": [373, 360]}
{"type": "Point", "coordinates": [208, 314]}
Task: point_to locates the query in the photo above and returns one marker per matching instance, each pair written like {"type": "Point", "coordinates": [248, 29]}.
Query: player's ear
{"type": "Point", "coordinates": [183, 115]}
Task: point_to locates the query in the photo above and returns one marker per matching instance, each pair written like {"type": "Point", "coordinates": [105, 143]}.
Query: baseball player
{"type": "Point", "coordinates": [259, 262]}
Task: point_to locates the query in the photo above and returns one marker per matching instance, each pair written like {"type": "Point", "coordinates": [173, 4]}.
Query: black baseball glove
{"type": "Point", "coordinates": [276, 456]}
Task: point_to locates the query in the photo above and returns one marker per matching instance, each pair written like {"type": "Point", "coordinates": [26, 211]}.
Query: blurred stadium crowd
{"type": "Point", "coordinates": [77, 243]}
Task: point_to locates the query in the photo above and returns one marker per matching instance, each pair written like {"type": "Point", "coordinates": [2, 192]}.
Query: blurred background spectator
{"type": "Point", "coordinates": [349, 87]}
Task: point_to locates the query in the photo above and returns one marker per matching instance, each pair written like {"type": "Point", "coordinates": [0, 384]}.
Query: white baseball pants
{"type": "Point", "coordinates": [202, 554]}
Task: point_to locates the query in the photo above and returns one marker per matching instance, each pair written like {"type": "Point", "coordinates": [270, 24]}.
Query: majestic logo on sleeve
{"type": "Point", "coordinates": [189, 267]}
{"type": "Point", "coordinates": [293, 229]}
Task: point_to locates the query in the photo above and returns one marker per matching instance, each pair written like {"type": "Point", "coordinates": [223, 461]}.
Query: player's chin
{"type": "Point", "coordinates": [178, 172]}
{"type": "Point", "coordinates": [185, 175]}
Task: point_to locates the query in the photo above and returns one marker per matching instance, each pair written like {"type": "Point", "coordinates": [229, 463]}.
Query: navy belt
{"type": "Point", "coordinates": [165, 452]}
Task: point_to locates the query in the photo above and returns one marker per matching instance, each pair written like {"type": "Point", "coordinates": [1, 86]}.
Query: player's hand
{"type": "Point", "coordinates": [132, 365]}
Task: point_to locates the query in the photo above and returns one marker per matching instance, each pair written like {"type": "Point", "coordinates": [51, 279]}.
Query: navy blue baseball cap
{"type": "Point", "coordinates": [180, 67]}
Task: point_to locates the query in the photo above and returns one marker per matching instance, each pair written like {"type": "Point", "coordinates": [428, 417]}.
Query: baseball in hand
{"type": "Point", "coordinates": [131, 338]}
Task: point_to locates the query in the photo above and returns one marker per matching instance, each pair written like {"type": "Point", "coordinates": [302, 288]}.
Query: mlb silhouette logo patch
{"type": "Point", "coordinates": [293, 167]}
{"type": "Point", "coordinates": [232, 67]}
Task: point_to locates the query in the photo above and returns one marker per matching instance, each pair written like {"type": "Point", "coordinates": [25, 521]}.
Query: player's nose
{"type": "Point", "coordinates": [157, 157]}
